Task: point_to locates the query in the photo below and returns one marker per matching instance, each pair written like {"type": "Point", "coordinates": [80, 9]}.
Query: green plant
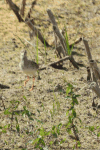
{"type": "Point", "coordinates": [69, 49]}
{"type": "Point", "coordinates": [37, 49]}
{"type": "Point", "coordinates": [56, 106]}
{"type": "Point", "coordinates": [67, 43]}
{"type": "Point", "coordinates": [94, 130]}
{"type": "Point", "coordinates": [4, 128]}
{"type": "Point", "coordinates": [39, 142]}
{"type": "Point", "coordinates": [12, 112]}
{"type": "Point", "coordinates": [72, 115]}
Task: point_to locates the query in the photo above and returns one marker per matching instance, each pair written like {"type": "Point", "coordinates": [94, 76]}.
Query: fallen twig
{"type": "Point", "coordinates": [59, 61]}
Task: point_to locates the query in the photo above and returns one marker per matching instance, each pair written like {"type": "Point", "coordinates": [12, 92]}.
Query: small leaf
{"type": "Point", "coordinates": [67, 112]}
{"type": "Point", "coordinates": [68, 124]}
{"type": "Point", "coordinates": [59, 125]}
{"type": "Point", "coordinates": [55, 135]}
{"type": "Point", "coordinates": [51, 142]}
{"type": "Point", "coordinates": [53, 127]}
{"type": "Point", "coordinates": [97, 127]}
{"type": "Point", "coordinates": [62, 141]}
{"type": "Point", "coordinates": [6, 126]}
{"type": "Point", "coordinates": [17, 128]}
{"type": "Point", "coordinates": [47, 133]}
{"type": "Point", "coordinates": [16, 119]}
{"type": "Point", "coordinates": [78, 144]}
{"type": "Point", "coordinates": [91, 128]}
{"type": "Point", "coordinates": [24, 98]}
{"type": "Point", "coordinates": [7, 112]}
{"type": "Point", "coordinates": [4, 131]}
{"type": "Point", "coordinates": [98, 135]}
{"type": "Point", "coordinates": [68, 90]}
{"type": "Point", "coordinates": [35, 141]}
{"type": "Point", "coordinates": [69, 130]}
{"type": "Point", "coordinates": [70, 119]}
{"type": "Point", "coordinates": [42, 132]}
{"type": "Point", "coordinates": [31, 118]}
{"type": "Point", "coordinates": [38, 111]}
{"type": "Point", "coordinates": [74, 112]}
{"type": "Point", "coordinates": [74, 100]}
{"type": "Point", "coordinates": [41, 141]}
{"type": "Point", "coordinates": [58, 131]}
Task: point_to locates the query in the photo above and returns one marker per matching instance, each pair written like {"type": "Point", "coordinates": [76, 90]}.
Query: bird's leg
{"type": "Point", "coordinates": [26, 81]}
{"type": "Point", "coordinates": [33, 84]}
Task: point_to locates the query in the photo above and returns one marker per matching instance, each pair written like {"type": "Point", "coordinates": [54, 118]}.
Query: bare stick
{"type": "Point", "coordinates": [88, 74]}
{"type": "Point", "coordinates": [54, 63]}
{"type": "Point", "coordinates": [37, 32]}
{"type": "Point", "coordinates": [61, 60]}
{"type": "Point", "coordinates": [59, 51]}
{"type": "Point", "coordinates": [23, 7]}
{"type": "Point", "coordinates": [1, 98]}
{"type": "Point", "coordinates": [95, 69]}
{"type": "Point", "coordinates": [73, 62]}
{"type": "Point", "coordinates": [93, 64]}
{"type": "Point", "coordinates": [87, 49]}
{"type": "Point", "coordinates": [51, 16]}
{"type": "Point", "coordinates": [15, 9]}
{"type": "Point", "coordinates": [64, 49]}
{"type": "Point", "coordinates": [61, 38]}
{"type": "Point", "coordinates": [56, 30]}
{"type": "Point", "coordinates": [30, 10]}
{"type": "Point", "coordinates": [78, 41]}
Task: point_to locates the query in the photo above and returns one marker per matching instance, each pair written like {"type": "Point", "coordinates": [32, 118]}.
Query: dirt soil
{"type": "Point", "coordinates": [47, 102]}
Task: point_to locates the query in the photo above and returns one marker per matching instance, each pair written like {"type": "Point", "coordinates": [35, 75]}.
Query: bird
{"type": "Point", "coordinates": [29, 67]}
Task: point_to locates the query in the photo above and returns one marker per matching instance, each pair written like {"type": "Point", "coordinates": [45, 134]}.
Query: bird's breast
{"type": "Point", "coordinates": [29, 71]}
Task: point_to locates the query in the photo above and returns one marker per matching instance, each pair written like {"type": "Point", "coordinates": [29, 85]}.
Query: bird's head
{"type": "Point", "coordinates": [23, 54]}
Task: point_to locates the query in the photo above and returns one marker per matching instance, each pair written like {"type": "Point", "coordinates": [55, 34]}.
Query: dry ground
{"type": "Point", "coordinates": [81, 18]}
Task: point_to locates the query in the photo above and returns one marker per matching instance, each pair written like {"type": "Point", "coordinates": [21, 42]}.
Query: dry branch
{"type": "Point", "coordinates": [55, 63]}
{"type": "Point", "coordinates": [27, 21]}
{"type": "Point", "coordinates": [78, 41]}
{"type": "Point", "coordinates": [72, 60]}
{"type": "Point", "coordinates": [51, 16]}
{"type": "Point", "coordinates": [61, 38]}
{"type": "Point", "coordinates": [95, 72]}
{"type": "Point", "coordinates": [58, 51]}
{"type": "Point", "coordinates": [92, 63]}
{"type": "Point", "coordinates": [30, 10]}
{"type": "Point", "coordinates": [88, 74]}
{"type": "Point", "coordinates": [57, 32]}
{"type": "Point", "coordinates": [95, 69]}
{"type": "Point", "coordinates": [23, 7]}
{"type": "Point", "coordinates": [63, 50]}
{"type": "Point", "coordinates": [15, 9]}
{"type": "Point", "coordinates": [87, 49]}
{"type": "Point", "coordinates": [59, 61]}
{"type": "Point", "coordinates": [37, 32]}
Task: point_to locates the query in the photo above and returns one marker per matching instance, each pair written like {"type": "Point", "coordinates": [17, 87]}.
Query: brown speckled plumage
{"type": "Point", "coordinates": [29, 67]}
